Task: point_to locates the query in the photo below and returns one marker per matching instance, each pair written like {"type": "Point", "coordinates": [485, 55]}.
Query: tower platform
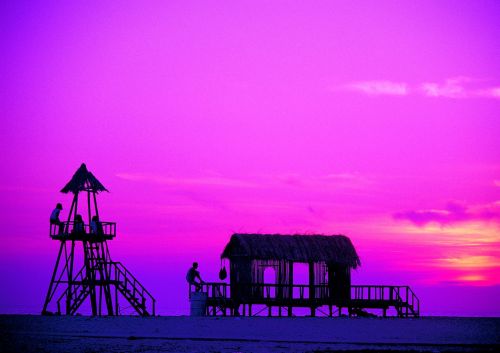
{"type": "Point", "coordinates": [67, 231]}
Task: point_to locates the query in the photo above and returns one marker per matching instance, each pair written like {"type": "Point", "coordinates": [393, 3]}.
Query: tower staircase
{"type": "Point", "coordinates": [107, 274]}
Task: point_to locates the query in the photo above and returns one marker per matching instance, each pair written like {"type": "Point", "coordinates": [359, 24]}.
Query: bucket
{"type": "Point", "coordinates": [198, 303]}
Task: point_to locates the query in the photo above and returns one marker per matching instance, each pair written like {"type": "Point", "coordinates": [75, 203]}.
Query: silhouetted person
{"type": "Point", "coordinates": [96, 226]}
{"type": "Point", "coordinates": [194, 274]}
{"type": "Point", "coordinates": [79, 227]}
{"type": "Point", "coordinates": [54, 218]}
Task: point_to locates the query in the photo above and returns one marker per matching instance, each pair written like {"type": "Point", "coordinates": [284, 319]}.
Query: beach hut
{"type": "Point", "coordinates": [329, 259]}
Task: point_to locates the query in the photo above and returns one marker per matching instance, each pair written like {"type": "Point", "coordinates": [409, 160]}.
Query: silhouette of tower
{"type": "Point", "coordinates": [84, 269]}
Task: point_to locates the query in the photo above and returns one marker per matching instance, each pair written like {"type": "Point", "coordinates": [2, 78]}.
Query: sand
{"type": "Point", "coordinates": [30, 333]}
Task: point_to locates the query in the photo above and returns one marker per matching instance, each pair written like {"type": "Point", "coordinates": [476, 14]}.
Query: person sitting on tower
{"type": "Point", "coordinates": [54, 218]}
{"type": "Point", "coordinates": [79, 227]}
{"type": "Point", "coordinates": [193, 274]}
{"type": "Point", "coordinates": [96, 226]}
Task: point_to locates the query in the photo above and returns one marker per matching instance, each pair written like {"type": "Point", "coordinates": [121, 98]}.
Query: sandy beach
{"type": "Point", "coordinates": [30, 333]}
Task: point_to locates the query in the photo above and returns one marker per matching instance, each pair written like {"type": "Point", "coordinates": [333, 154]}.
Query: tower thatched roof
{"type": "Point", "coordinates": [297, 248]}
{"type": "Point", "coordinates": [83, 180]}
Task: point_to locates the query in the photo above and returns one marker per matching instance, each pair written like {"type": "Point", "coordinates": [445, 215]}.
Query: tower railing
{"type": "Point", "coordinates": [67, 229]}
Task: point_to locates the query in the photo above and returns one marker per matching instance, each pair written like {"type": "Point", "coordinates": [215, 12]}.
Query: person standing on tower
{"type": "Point", "coordinates": [54, 218]}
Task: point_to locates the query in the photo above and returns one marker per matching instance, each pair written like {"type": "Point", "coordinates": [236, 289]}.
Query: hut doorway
{"type": "Point", "coordinates": [300, 279]}
{"type": "Point", "coordinates": [270, 282]}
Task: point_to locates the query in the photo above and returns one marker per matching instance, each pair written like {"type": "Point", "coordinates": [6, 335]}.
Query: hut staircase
{"type": "Point", "coordinates": [409, 307]}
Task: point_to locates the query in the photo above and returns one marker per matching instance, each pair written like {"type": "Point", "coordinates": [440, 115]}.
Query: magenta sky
{"type": "Point", "coordinates": [379, 120]}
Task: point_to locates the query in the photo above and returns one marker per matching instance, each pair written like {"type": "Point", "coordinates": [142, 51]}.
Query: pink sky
{"type": "Point", "coordinates": [378, 120]}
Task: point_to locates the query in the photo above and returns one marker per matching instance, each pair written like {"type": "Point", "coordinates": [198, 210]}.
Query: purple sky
{"type": "Point", "coordinates": [378, 120]}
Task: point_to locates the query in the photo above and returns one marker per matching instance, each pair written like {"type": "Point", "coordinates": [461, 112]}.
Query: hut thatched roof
{"type": "Point", "coordinates": [297, 248]}
{"type": "Point", "coordinates": [83, 180]}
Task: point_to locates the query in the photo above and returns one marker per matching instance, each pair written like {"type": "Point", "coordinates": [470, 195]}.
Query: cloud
{"type": "Point", "coordinates": [495, 92]}
{"type": "Point", "coordinates": [201, 181]}
{"type": "Point", "coordinates": [451, 88]}
{"type": "Point", "coordinates": [471, 261]}
{"type": "Point", "coordinates": [272, 181]}
{"type": "Point", "coordinates": [379, 88]}
{"type": "Point", "coordinates": [453, 213]}
{"type": "Point", "coordinates": [491, 93]}
{"type": "Point", "coordinates": [455, 88]}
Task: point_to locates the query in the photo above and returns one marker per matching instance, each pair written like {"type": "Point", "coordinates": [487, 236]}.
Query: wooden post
{"type": "Point", "coordinates": [311, 287]}
{"type": "Point", "coordinates": [88, 206]}
{"type": "Point", "coordinates": [290, 294]}
{"type": "Point", "coordinates": [407, 301]}
{"type": "Point", "coordinates": [116, 298]}
{"type": "Point", "coordinates": [76, 206]}
{"type": "Point", "coordinates": [95, 205]}
{"type": "Point", "coordinates": [70, 278]}
{"type": "Point", "coordinates": [87, 248]}
{"type": "Point", "coordinates": [311, 281]}
{"type": "Point", "coordinates": [49, 291]}
{"type": "Point", "coordinates": [100, 300]}
{"type": "Point", "coordinates": [73, 203]}
{"type": "Point", "coordinates": [105, 275]}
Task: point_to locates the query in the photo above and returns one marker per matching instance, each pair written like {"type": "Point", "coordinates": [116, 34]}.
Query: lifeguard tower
{"type": "Point", "coordinates": [84, 268]}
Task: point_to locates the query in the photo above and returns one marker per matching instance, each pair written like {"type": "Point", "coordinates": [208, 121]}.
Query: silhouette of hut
{"type": "Point", "coordinates": [330, 260]}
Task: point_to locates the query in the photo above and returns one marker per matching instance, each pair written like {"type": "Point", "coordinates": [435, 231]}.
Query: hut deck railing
{"type": "Point", "coordinates": [361, 296]}
{"type": "Point", "coordinates": [402, 297]}
{"type": "Point", "coordinates": [67, 230]}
